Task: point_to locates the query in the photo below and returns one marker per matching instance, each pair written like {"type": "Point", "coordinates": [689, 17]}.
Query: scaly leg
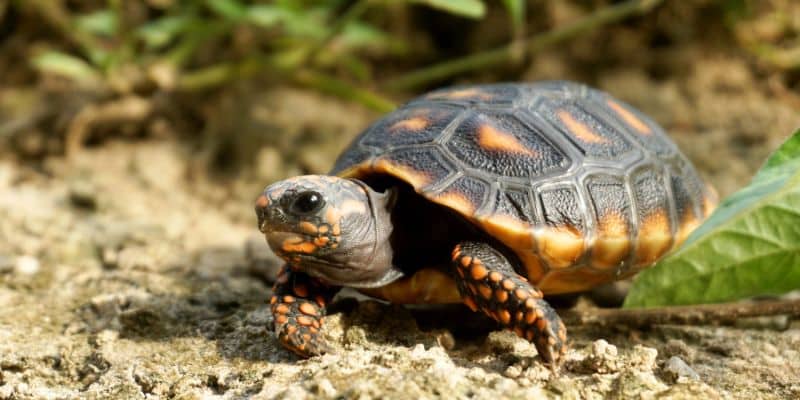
{"type": "Point", "coordinates": [487, 282]}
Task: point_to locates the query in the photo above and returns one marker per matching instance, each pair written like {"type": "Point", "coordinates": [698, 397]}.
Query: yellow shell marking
{"type": "Point", "coordinates": [629, 118]}
{"type": "Point", "coordinates": [462, 94]}
{"type": "Point", "coordinates": [491, 138]}
{"type": "Point", "coordinates": [415, 178]}
{"type": "Point", "coordinates": [580, 129]}
{"type": "Point", "coordinates": [411, 124]}
{"type": "Point", "coordinates": [456, 201]}
{"type": "Point", "coordinates": [655, 238]}
{"type": "Point", "coordinates": [612, 244]}
{"type": "Point", "coordinates": [428, 285]}
{"type": "Point", "coordinates": [560, 247]}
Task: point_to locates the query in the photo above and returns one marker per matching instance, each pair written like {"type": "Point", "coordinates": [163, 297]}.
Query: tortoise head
{"type": "Point", "coordinates": [331, 228]}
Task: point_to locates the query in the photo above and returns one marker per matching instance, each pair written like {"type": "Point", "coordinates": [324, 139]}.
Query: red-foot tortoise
{"type": "Point", "coordinates": [490, 195]}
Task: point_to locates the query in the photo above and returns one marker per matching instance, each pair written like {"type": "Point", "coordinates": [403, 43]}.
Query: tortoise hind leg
{"type": "Point", "coordinates": [487, 282]}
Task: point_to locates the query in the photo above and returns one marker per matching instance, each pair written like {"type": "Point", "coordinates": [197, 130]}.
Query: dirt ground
{"type": "Point", "coordinates": [132, 271]}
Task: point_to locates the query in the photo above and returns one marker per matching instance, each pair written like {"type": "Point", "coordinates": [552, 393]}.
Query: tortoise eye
{"type": "Point", "coordinates": [306, 203]}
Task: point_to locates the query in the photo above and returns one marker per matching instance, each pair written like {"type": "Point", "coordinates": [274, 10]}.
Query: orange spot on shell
{"type": "Point", "coordinates": [560, 247]}
{"type": "Point", "coordinates": [281, 319]}
{"type": "Point", "coordinates": [304, 320]}
{"type": "Point", "coordinates": [501, 295]}
{"type": "Point", "coordinates": [415, 178]}
{"type": "Point", "coordinates": [508, 284]}
{"type": "Point", "coordinates": [495, 276]}
{"type": "Point", "coordinates": [579, 129]}
{"type": "Point", "coordinates": [411, 124]}
{"type": "Point", "coordinates": [466, 261]}
{"type": "Point", "coordinates": [654, 238]}
{"type": "Point", "coordinates": [426, 286]}
{"type": "Point", "coordinates": [456, 201]}
{"type": "Point", "coordinates": [629, 118]}
{"type": "Point", "coordinates": [491, 138]}
{"type": "Point", "coordinates": [461, 94]}
{"type": "Point", "coordinates": [262, 201]}
{"type": "Point", "coordinates": [612, 245]}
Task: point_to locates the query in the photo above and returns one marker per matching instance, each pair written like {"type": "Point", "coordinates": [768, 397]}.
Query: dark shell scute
{"type": "Point", "coordinates": [562, 208]}
{"type": "Point", "coordinates": [411, 126]}
{"type": "Point", "coordinates": [610, 200]}
{"type": "Point", "coordinates": [515, 203]}
{"type": "Point", "coordinates": [650, 193]}
{"type": "Point", "coordinates": [593, 136]}
{"type": "Point", "coordinates": [474, 190]}
{"type": "Point", "coordinates": [422, 161]}
{"type": "Point", "coordinates": [521, 152]}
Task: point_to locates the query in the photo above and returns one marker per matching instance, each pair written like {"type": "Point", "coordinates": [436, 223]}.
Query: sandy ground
{"type": "Point", "coordinates": [130, 271]}
{"type": "Point", "coordinates": [126, 273]}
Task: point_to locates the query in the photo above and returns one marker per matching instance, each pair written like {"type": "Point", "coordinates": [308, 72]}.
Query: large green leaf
{"type": "Point", "coordinates": [465, 8]}
{"type": "Point", "coordinates": [749, 246]}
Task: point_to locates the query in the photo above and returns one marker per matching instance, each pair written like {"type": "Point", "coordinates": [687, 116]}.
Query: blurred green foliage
{"type": "Point", "coordinates": [203, 43]}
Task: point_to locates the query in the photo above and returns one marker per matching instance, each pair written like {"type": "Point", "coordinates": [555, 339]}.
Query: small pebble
{"type": "Point", "coordinates": [676, 368]}
{"type": "Point", "coordinates": [83, 194]}
{"type": "Point", "coordinates": [446, 340]}
{"type": "Point", "coordinates": [325, 388]}
{"type": "Point", "coordinates": [27, 265]}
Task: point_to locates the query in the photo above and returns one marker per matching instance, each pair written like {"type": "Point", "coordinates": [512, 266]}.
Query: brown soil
{"type": "Point", "coordinates": [132, 271]}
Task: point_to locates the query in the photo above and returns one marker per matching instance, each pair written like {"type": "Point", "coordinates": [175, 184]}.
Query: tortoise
{"type": "Point", "coordinates": [492, 195]}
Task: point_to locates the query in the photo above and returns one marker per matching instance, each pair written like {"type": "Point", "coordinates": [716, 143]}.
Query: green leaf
{"type": "Point", "coordinates": [66, 65]}
{"type": "Point", "coordinates": [265, 15]}
{"type": "Point", "coordinates": [102, 22]}
{"type": "Point", "coordinates": [749, 246]}
{"type": "Point", "coordinates": [162, 31]}
{"type": "Point", "coordinates": [465, 8]}
{"type": "Point", "coordinates": [230, 9]}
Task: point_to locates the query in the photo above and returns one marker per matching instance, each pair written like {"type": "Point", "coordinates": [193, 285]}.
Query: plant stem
{"type": "Point", "coordinates": [531, 45]}
{"type": "Point", "coordinates": [218, 74]}
{"type": "Point", "coordinates": [704, 314]}
{"type": "Point", "coordinates": [340, 88]}
{"type": "Point", "coordinates": [353, 12]}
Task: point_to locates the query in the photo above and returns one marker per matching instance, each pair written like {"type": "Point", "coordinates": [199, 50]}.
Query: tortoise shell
{"type": "Point", "coordinates": [582, 187]}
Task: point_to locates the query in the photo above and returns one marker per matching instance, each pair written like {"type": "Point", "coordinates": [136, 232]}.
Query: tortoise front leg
{"type": "Point", "coordinates": [488, 282]}
{"type": "Point", "coordinates": [298, 310]}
